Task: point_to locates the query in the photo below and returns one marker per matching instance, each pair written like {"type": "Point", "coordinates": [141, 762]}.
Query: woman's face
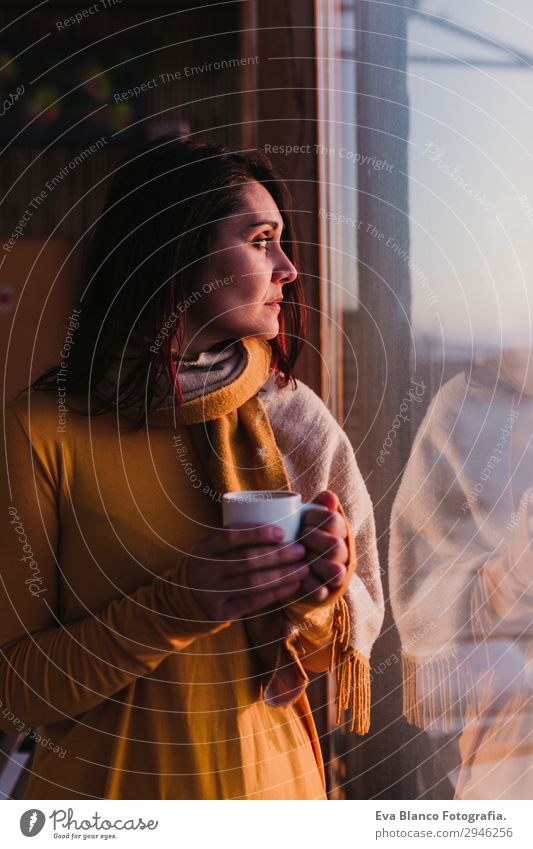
{"type": "Point", "coordinates": [247, 272]}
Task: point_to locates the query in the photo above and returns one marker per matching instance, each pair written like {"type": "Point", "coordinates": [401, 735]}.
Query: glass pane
{"type": "Point", "coordinates": [432, 214]}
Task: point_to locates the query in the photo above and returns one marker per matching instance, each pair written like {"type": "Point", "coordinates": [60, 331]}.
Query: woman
{"type": "Point", "coordinates": [167, 657]}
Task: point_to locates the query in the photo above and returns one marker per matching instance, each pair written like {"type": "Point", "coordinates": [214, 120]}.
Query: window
{"type": "Point", "coordinates": [426, 209]}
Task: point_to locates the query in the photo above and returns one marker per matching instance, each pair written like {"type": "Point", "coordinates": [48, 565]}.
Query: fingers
{"type": "Point", "coordinates": [254, 558]}
{"type": "Point", "coordinates": [312, 590]}
{"type": "Point", "coordinates": [326, 574]}
{"type": "Point", "coordinates": [329, 572]}
{"type": "Point", "coordinates": [243, 569]}
{"type": "Point", "coordinates": [325, 544]}
{"type": "Point", "coordinates": [328, 498]}
{"type": "Point", "coordinates": [328, 557]}
{"type": "Point", "coordinates": [243, 606]}
{"type": "Point", "coordinates": [265, 579]}
{"type": "Point", "coordinates": [226, 540]}
{"type": "Point", "coordinates": [326, 520]}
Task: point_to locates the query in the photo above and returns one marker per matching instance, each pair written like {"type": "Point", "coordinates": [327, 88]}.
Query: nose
{"type": "Point", "coordinates": [284, 271]}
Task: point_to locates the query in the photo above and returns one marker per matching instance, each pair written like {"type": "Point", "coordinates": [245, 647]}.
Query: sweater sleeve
{"type": "Point", "coordinates": [49, 669]}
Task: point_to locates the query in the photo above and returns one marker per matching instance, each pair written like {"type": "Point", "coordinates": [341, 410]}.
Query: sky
{"type": "Point", "coordinates": [470, 167]}
{"type": "Point", "coordinates": [473, 233]}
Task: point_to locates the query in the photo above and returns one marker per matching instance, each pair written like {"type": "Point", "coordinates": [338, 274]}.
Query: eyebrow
{"type": "Point", "coordinates": [273, 224]}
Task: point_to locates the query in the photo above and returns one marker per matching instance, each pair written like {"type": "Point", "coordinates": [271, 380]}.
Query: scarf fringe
{"type": "Point", "coordinates": [352, 673]}
{"type": "Point", "coordinates": [444, 689]}
{"type": "Point", "coordinates": [439, 692]}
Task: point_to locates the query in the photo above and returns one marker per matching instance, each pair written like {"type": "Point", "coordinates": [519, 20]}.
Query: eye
{"type": "Point", "coordinates": [263, 240]}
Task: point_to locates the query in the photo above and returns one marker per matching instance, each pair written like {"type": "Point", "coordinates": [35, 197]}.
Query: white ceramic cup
{"type": "Point", "coordinates": [266, 507]}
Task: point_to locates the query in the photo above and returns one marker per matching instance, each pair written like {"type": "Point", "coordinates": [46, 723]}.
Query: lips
{"type": "Point", "coordinates": [275, 301]}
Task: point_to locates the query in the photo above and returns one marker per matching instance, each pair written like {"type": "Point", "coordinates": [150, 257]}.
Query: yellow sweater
{"type": "Point", "coordinates": [103, 646]}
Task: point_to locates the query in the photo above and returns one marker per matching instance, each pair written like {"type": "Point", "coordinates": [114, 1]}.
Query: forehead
{"type": "Point", "coordinates": [258, 204]}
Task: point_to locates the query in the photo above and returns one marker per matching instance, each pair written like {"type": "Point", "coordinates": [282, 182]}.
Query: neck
{"type": "Point", "coordinates": [199, 346]}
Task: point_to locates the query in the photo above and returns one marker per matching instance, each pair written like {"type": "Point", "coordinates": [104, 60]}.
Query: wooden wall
{"type": "Point", "coordinates": [268, 102]}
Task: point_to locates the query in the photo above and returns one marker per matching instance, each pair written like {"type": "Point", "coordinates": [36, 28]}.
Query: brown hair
{"type": "Point", "coordinates": [146, 250]}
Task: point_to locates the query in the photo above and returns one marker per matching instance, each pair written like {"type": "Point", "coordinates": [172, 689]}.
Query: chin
{"type": "Point", "coordinates": [267, 335]}
{"type": "Point", "coordinates": [259, 332]}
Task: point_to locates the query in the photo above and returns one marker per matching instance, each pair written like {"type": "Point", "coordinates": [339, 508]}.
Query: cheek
{"type": "Point", "coordinates": [222, 299]}
{"type": "Point", "coordinates": [236, 260]}
{"type": "Point", "coordinates": [247, 267]}
{"type": "Point", "coordinates": [211, 302]}
{"type": "Point", "coordinates": [236, 285]}
{"type": "Point", "coordinates": [245, 293]}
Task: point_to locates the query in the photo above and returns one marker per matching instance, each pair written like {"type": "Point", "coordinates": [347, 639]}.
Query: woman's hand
{"type": "Point", "coordinates": [324, 534]}
{"type": "Point", "coordinates": [239, 570]}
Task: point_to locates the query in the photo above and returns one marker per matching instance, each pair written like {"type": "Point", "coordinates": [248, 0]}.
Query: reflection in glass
{"type": "Point", "coordinates": [460, 569]}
